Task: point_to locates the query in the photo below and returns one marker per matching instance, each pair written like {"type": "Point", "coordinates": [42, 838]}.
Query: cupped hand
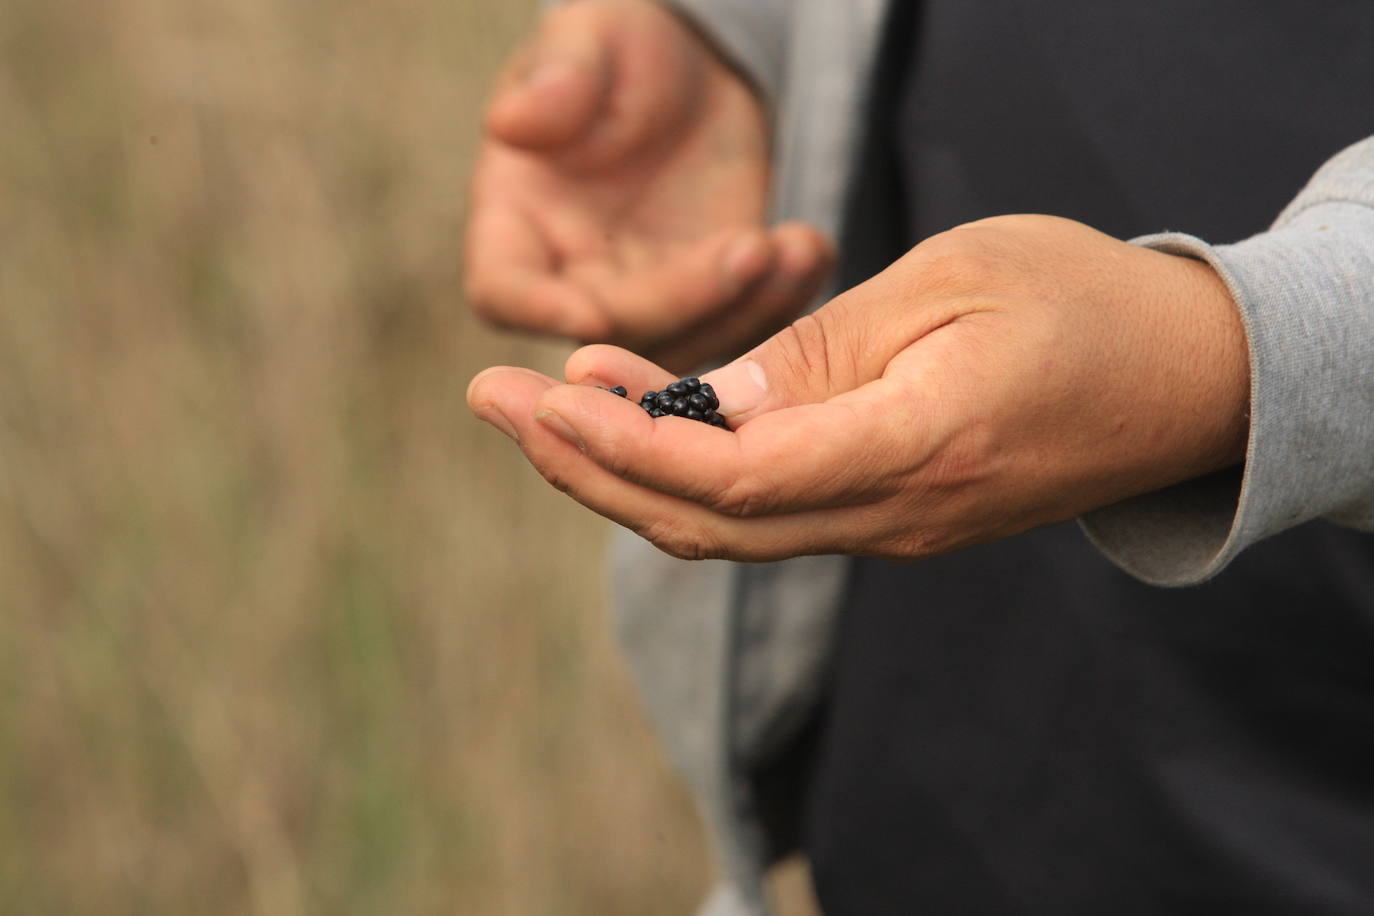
{"type": "Point", "coordinates": [1006, 374]}
{"type": "Point", "coordinates": [620, 191]}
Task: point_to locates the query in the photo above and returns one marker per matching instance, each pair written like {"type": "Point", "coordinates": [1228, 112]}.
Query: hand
{"type": "Point", "coordinates": [620, 190]}
{"type": "Point", "coordinates": [1006, 374]}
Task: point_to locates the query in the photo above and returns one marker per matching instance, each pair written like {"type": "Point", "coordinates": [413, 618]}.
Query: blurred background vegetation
{"type": "Point", "coordinates": [283, 629]}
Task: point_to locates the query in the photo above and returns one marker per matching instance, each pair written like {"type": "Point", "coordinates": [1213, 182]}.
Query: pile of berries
{"type": "Point", "coordinates": [689, 397]}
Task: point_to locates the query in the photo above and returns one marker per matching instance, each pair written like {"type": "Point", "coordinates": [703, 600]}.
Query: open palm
{"type": "Point", "coordinates": [621, 191]}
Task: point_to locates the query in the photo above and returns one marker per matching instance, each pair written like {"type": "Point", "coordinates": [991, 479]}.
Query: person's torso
{"type": "Point", "coordinates": [1022, 727]}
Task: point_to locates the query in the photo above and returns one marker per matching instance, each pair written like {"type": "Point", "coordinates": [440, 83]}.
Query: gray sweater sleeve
{"type": "Point", "coordinates": [1305, 290]}
{"type": "Point", "coordinates": [751, 35]}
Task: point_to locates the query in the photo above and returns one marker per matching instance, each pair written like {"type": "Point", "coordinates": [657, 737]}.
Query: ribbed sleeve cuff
{"type": "Point", "coordinates": [1306, 295]}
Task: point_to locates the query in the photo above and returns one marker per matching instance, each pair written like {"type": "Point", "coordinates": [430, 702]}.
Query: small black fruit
{"type": "Point", "coordinates": [688, 397]}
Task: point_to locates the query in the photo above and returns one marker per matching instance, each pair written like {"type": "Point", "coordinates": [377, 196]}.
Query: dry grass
{"type": "Point", "coordinates": [284, 629]}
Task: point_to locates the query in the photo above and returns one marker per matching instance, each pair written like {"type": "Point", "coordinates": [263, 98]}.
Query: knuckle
{"type": "Point", "coordinates": [606, 449]}
{"type": "Point", "coordinates": [919, 544]}
{"type": "Point", "coordinates": [805, 350]}
{"type": "Point", "coordinates": [982, 254]}
{"type": "Point", "coordinates": [953, 262]}
{"type": "Point", "coordinates": [678, 539]}
{"type": "Point", "coordinates": [744, 496]}
{"type": "Point", "coordinates": [813, 341]}
{"type": "Point", "coordinates": [558, 480]}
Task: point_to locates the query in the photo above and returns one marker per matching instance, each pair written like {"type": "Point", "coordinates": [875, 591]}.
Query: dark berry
{"type": "Point", "coordinates": [619, 391]}
{"type": "Point", "coordinates": [689, 398]}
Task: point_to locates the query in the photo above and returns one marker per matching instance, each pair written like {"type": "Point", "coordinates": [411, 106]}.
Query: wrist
{"type": "Point", "coordinates": [1223, 382]}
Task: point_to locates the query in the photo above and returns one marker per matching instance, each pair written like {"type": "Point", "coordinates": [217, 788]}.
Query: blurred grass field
{"type": "Point", "coordinates": [283, 630]}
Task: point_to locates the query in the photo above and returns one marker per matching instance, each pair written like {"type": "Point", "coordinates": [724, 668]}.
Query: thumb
{"type": "Point", "coordinates": [845, 344]}
{"type": "Point", "coordinates": [554, 87]}
{"type": "Point", "coordinates": [819, 356]}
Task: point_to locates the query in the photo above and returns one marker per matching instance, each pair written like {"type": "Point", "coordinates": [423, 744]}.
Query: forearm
{"type": "Point", "coordinates": [1305, 290]}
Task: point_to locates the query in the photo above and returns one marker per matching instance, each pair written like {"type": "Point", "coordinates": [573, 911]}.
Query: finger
{"type": "Point", "coordinates": [485, 390]}
{"type": "Point", "coordinates": [653, 301]}
{"type": "Point", "coordinates": [510, 279]}
{"type": "Point", "coordinates": [601, 364]}
{"type": "Point", "coordinates": [803, 260]}
{"type": "Point", "coordinates": [555, 86]}
{"type": "Point", "coordinates": [678, 527]}
{"type": "Point", "coordinates": [787, 463]}
{"type": "Point", "coordinates": [851, 451]}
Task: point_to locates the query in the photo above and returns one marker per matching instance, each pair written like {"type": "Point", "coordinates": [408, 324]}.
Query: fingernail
{"type": "Point", "coordinates": [560, 426]}
{"type": "Point", "coordinates": [495, 417]}
{"type": "Point", "coordinates": [740, 386]}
